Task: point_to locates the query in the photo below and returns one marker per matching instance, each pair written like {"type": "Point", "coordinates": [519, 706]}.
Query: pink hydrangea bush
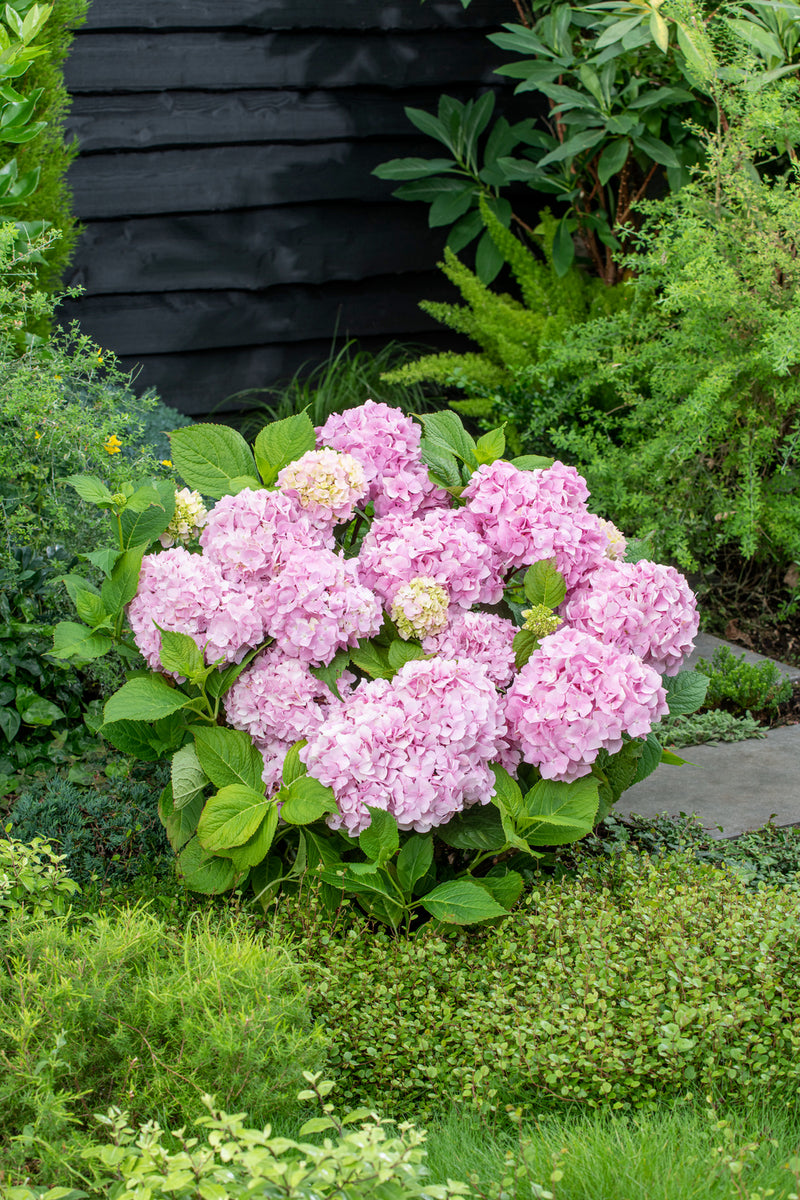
{"type": "Point", "coordinates": [288, 569]}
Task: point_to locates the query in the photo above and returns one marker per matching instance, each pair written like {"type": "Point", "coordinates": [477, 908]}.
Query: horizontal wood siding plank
{"type": "Point", "coordinates": [257, 248]}
{"type": "Point", "coordinates": [150, 120]}
{"type": "Point", "coordinates": [167, 321]}
{"type": "Point", "coordinates": [225, 177]}
{"type": "Point", "coordinates": [142, 62]}
{"type": "Point", "coordinates": [294, 14]}
{"type": "Point", "coordinates": [228, 381]}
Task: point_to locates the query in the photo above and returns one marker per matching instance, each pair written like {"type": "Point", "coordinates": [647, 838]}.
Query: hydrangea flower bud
{"type": "Point", "coordinates": [617, 543]}
{"type": "Point", "coordinates": [420, 608]}
{"type": "Point", "coordinates": [188, 519]}
{"type": "Point", "coordinates": [541, 620]}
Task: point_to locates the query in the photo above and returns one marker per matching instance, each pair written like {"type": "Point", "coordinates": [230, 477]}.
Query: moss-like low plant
{"type": "Point", "coordinates": [737, 686]}
{"type": "Point", "coordinates": [123, 1009]}
{"type": "Point", "coordinates": [632, 982]}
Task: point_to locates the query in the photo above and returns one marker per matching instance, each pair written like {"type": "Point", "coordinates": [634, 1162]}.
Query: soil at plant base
{"type": "Point", "coordinates": [757, 609]}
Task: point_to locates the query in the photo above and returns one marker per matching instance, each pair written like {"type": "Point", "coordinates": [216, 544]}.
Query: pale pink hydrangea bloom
{"type": "Point", "coordinates": [617, 542]}
{"type": "Point", "coordinates": [252, 535]}
{"type": "Point", "coordinates": [420, 608]}
{"type": "Point", "coordinates": [441, 546]}
{"type": "Point", "coordinates": [643, 607]}
{"type": "Point", "coordinates": [277, 697]}
{"type": "Point", "coordinates": [418, 746]}
{"type": "Point", "coordinates": [388, 444]}
{"type": "Point", "coordinates": [327, 484]}
{"type": "Point", "coordinates": [575, 697]}
{"type": "Point", "coordinates": [485, 638]}
{"type": "Point", "coordinates": [317, 605]}
{"type": "Point", "coordinates": [273, 751]}
{"type": "Point", "coordinates": [529, 516]}
{"type": "Point", "coordinates": [186, 593]}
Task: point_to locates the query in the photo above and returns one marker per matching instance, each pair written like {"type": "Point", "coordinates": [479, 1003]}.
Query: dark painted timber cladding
{"type": "Point", "coordinates": [224, 181]}
{"type": "Point", "coordinates": [290, 14]}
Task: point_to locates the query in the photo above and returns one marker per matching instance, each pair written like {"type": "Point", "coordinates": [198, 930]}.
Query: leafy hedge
{"type": "Point", "coordinates": [628, 984]}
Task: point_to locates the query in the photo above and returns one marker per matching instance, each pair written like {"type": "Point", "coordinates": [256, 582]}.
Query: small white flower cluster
{"type": "Point", "coordinates": [188, 519]}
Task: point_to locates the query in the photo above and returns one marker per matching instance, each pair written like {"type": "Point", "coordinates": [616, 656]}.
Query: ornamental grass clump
{"type": "Point", "coordinates": [385, 640]}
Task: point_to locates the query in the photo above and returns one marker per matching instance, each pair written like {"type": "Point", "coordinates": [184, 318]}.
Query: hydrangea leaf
{"type": "Point", "coordinates": [222, 680]}
{"type": "Point", "coordinates": [414, 861]}
{"type": "Point", "coordinates": [141, 528]}
{"type": "Point", "coordinates": [381, 839]}
{"type": "Point", "coordinates": [77, 644]}
{"type": "Point", "coordinates": [180, 823]}
{"type": "Point", "coordinates": [445, 432]}
{"type": "Point", "coordinates": [401, 652]}
{"type": "Point", "coordinates": [306, 800]}
{"type": "Point", "coordinates": [91, 489]}
{"type": "Point", "coordinates": [525, 642]}
{"type": "Point", "coordinates": [188, 777]}
{"type": "Point", "coordinates": [332, 673]}
{"type": "Point", "coordinates": [180, 654]}
{"type": "Point", "coordinates": [557, 813]}
{"type": "Point", "coordinates": [146, 740]}
{"type": "Point", "coordinates": [649, 758]}
{"type": "Point", "coordinates": [228, 756]}
{"type": "Point", "coordinates": [532, 462]}
{"type": "Point", "coordinates": [462, 902]}
{"type": "Point", "coordinates": [686, 691]}
{"type": "Point", "coordinates": [231, 817]}
{"type": "Point", "coordinates": [253, 852]}
{"type": "Point", "coordinates": [283, 442]}
{"type": "Point", "coordinates": [372, 661]}
{"type": "Point", "coordinates": [477, 828]}
{"type": "Point", "coordinates": [504, 886]}
{"type": "Point", "coordinates": [121, 585]}
{"type": "Point", "coordinates": [144, 698]}
{"type": "Point", "coordinates": [293, 768]}
{"type": "Point", "coordinates": [208, 457]}
{"type": "Point", "coordinates": [507, 794]}
{"type": "Point", "coordinates": [491, 446]}
{"type": "Point", "coordinates": [544, 584]}
{"type": "Point", "coordinates": [204, 872]}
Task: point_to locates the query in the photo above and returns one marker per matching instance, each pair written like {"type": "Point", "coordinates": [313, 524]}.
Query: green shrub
{"type": "Point", "coordinates": [123, 1009]}
{"type": "Point", "coordinates": [49, 152]}
{"type": "Point", "coordinates": [625, 986]}
{"type": "Point", "coordinates": [108, 836]}
{"type": "Point", "coordinates": [33, 880]}
{"type": "Point", "coordinates": [739, 687]}
{"type": "Point", "coordinates": [236, 1162]}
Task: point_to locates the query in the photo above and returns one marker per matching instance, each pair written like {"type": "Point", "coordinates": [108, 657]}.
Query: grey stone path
{"type": "Point", "coordinates": [732, 787]}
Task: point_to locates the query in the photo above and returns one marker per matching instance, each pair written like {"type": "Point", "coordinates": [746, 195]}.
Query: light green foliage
{"type": "Point", "coordinates": [60, 403]}
{"type": "Point", "coordinates": [125, 1008]}
{"type": "Point", "coordinates": [713, 726]}
{"type": "Point", "coordinates": [21, 24]}
{"type": "Point", "coordinates": [740, 687]}
{"type": "Point", "coordinates": [33, 879]}
{"type": "Point", "coordinates": [363, 1159]}
{"type": "Point", "coordinates": [703, 368]}
{"type": "Point", "coordinates": [625, 986]}
{"type": "Point", "coordinates": [512, 334]}
{"type": "Point", "coordinates": [48, 153]}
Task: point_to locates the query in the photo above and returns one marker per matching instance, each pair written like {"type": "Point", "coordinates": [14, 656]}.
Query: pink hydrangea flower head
{"type": "Point", "coordinates": [387, 442]}
{"type": "Point", "coordinates": [327, 484]}
{"type": "Point", "coordinates": [237, 625]}
{"type": "Point", "coordinates": [178, 591]}
{"type": "Point", "coordinates": [527, 516]}
{"type": "Point", "coordinates": [485, 638]}
{"type": "Point", "coordinates": [441, 546]}
{"type": "Point", "coordinates": [273, 751]}
{"type": "Point", "coordinates": [277, 697]}
{"type": "Point", "coordinates": [317, 605]}
{"type": "Point", "coordinates": [644, 608]}
{"type": "Point", "coordinates": [577, 696]}
{"type": "Point", "coordinates": [420, 608]}
{"type": "Point", "coordinates": [418, 746]}
{"type": "Point", "coordinates": [252, 535]}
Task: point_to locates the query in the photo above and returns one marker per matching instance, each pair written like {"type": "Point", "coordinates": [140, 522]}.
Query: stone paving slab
{"type": "Point", "coordinates": [733, 787]}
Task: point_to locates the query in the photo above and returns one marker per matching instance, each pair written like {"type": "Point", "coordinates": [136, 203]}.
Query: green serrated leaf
{"type": "Point", "coordinates": [532, 462]}
{"type": "Point", "coordinates": [555, 814]}
{"type": "Point", "coordinates": [293, 768]}
{"type": "Point", "coordinates": [145, 698]}
{"type": "Point", "coordinates": [205, 873]}
{"type": "Point", "coordinates": [142, 528]}
{"type": "Point", "coordinates": [401, 652]}
{"type": "Point", "coordinates": [76, 644]}
{"type": "Point", "coordinates": [686, 691]}
{"type": "Point", "coordinates": [524, 644]}
{"type": "Point", "coordinates": [414, 861]}
{"type": "Point", "coordinates": [462, 902]}
{"type": "Point", "coordinates": [231, 817]}
{"type": "Point", "coordinates": [91, 489]}
{"type": "Point", "coordinates": [179, 823]}
{"type": "Point", "coordinates": [381, 839]}
{"type": "Point", "coordinates": [228, 756]}
{"type": "Point", "coordinates": [306, 800]}
{"type": "Point", "coordinates": [477, 828]}
{"type": "Point", "coordinates": [491, 446]}
{"type": "Point", "coordinates": [372, 661]}
{"type": "Point", "coordinates": [208, 457]}
{"type": "Point", "coordinates": [121, 585]}
{"type": "Point", "coordinates": [188, 777]}
{"type": "Point", "coordinates": [253, 852]}
{"type": "Point", "coordinates": [544, 584]}
{"type": "Point", "coordinates": [180, 655]}
{"type": "Point", "coordinates": [281, 443]}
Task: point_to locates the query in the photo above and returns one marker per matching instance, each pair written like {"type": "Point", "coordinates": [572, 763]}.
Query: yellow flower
{"type": "Point", "coordinates": [57, 378]}
{"type": "Point", "coordinates": [37, 435]}
{"type": "Point", "coordinates": [99, 359]}
{"type": "Point", "coordinates": [166, 462]}
{"type": "Point", "coordinates": [112, 445]}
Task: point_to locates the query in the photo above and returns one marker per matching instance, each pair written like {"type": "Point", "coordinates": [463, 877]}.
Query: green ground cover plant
{"type": "Point", "coordinates": [625, 986]}
{"type": "Point", "coordinates": [737, 687]}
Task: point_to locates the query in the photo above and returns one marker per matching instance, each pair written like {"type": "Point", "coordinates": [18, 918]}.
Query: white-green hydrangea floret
{"type": "Point", "coordinates": [420, 608]}
{"type": "Point", "coordinates": [188, 519]}
{"type": "Point", "coordinates": [541, 620]}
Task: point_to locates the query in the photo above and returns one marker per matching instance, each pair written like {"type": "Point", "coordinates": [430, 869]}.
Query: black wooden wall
{"type": "Point", "coordinates": [231, 220]}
